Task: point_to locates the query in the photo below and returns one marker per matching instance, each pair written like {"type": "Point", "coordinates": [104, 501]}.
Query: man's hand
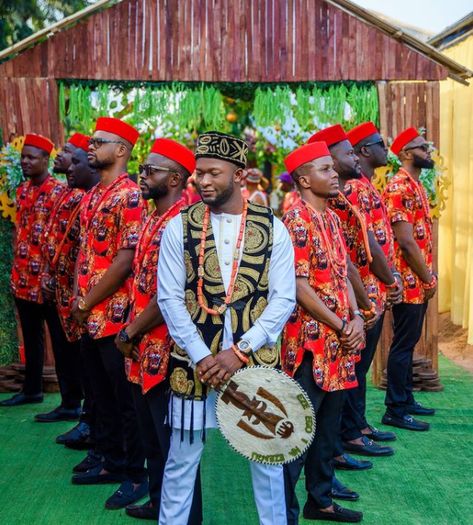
{"type": "Point", "coordinates": [210, 372]}
{"type": "Point", "coordinates": [353, 335]}
{"type": "Point", "coordinates": [229, 362]}
{"type": "Point", "coordinates": [48, 288]}
{"type": "Point", "coordinates": [79, 316]}
{"type": "Point", "coordinates": [394, 295]}
{"type": "Point", "coordinates": [429, 293]}
{"type": "Point", "coordinates": [126, 349]}
{"type": "Point", "coordinates": [369, 323]}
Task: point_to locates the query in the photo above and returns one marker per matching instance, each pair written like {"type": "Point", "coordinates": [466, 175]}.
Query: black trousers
{"type": "Point", "coordinates": [317, 460]}
{"type": "Point", "coordinates": [407, 327]}
{"type": "Point", "coordinates": [354, 409]}
{"type": "Point", "coordinates": [116, 431]}
{"type": "Point", "coordinates": [151, 410]}
{"type": "Point", "coordinates": [66, 355]}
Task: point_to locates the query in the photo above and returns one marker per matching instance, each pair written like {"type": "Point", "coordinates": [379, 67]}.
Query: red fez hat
{"type": "Point", "coordinates": [360, 132]}
{"type": "Point", "coordinates": [330, 136]}
{"type": "Point", "coordinates": [306, 153]}
{"type": "Point", "coordinates": [175, 151]}
{"type": "Point", "coordinates": [403, 139]}
{"type": "Point", "coordinates": [117, 127]}
{"type": "Point", "coordinates": [79, 141]}
{"type": "Point", "coordinates": [38, 141]}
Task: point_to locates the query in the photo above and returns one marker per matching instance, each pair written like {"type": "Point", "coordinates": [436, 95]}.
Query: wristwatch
{"type": "Point", "coordinates": [244, 346]}
{"type": "Point", "coordinates": [82, 305]}
{"type": "Point", "coordinates": [123, 336]}
{"type": "Point", "coordinates": [359, 314]}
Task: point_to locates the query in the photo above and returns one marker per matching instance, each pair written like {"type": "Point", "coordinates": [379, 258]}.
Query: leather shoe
{"type": "Point", "coordinates": [339, 514]}
{"type": "Point", "coordinates": [379, 435]}
{"type": "Point", "coordinates": [146, 511]}
{"type": "Point", "coordinates": [90, 461]}
{"type": "Point", "coordinates": [407, 422]}
{"type": "Point", "coordinates": [418, 410]}
{"type": "Point", "coordinates": [59, 414]}
{"type": "Point", "coordinates": [368, 448]}
{"type": "Point", "coordinates": [21, 399]}
{"type": "Point", "coordinates": [350, 463]}
{"type": "Point", "coordinates": [94, 476]}
{"type": "Point", "coordinates": [340, 491]}
{"type": "Point", "coordinates": [77, 438]}
{"type": "Point", "coordinates": [126, 493]}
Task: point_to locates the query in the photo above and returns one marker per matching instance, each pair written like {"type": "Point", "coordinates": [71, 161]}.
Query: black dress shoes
{"type": "Point", "coordinates": [350, 463]}
{"type": "Point", "coordinates": [146, 511]}
{"type": "Point", "coordinates": [407, 422]}
{"type": "Point", "coordinates": [21, 399]}
{"type": "Point", "coordinates": [59, 414]}
{"type": "Point", "coordinates": [340, 491]}
{"type": "Point", "coordinates": [379, 435]}
{"type": "Point", "coordinates": [368, 448]}
{"type": "Point", "coordinates": [339, 514]}
{"type": "Point", "coordinates": [90, 461]}
{"type": "Point", "coordinates": [94, 476]}
{"type": "Point", "coordinates": [127, 493]}
{"type": "Point", "coordinates": [418, 410]}
{"type": "Point", "coordinates": [78, 438]}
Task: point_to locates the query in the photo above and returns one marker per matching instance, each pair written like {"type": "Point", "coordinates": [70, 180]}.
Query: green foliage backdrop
{"type": "Point", "coordinates": [8, 337]}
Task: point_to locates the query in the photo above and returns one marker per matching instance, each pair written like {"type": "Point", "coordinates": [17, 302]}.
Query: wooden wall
{"type": "Point", "coordinates": [30, 105]}
{"type": "Point", "coordinates": [223, 40]}
{"type": "Point", "coordinates": [404, 104]}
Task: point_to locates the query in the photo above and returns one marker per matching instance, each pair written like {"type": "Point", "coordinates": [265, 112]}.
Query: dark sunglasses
{"type": "Point", "coordinates": [96, 142]}
{"type": "Point", "coordinates": [380, 142]}
{"type": "Point", "coordinates": [149, 169]}
{"type": "Point", "coordinates": [424, 147]}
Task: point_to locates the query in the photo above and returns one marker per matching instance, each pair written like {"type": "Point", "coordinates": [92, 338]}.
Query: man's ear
{"type": "Point", "coordinates": [238, 175]}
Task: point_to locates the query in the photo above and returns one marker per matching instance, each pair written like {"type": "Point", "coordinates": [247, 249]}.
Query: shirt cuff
{"type": "Point", "coordinates": [198, 350]}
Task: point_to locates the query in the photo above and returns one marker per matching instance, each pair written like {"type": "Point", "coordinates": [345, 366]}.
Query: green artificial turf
{"type": "Point", "coordinates": [427, 482]}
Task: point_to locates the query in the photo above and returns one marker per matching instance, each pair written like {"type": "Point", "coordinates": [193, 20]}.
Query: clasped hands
{"type": "Point", "coordinates": [353, 334]}
{"type": "Point", "coordinates": [217, 370]}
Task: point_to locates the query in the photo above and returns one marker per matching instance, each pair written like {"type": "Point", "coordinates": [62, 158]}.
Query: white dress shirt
{"type": "Point", "coordinates": [171, 296]}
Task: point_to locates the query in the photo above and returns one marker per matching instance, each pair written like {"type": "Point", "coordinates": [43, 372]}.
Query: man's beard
{"type": "Point", "coordinates": [100, 164]}
{"type": "Point", "coordinates": [352, 174]}
{"type": "Point", "coordinates": [157, 193]}
{"type": "Point", "coordinates": [422, 163]}
{"type": "Point", "coordinates": [221, 198]}
{"type": "Point", "coordinates": [60, 170]}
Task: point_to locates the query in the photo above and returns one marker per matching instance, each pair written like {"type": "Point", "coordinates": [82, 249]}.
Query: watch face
{"type": "Point", "coordinates": [123, 336]}
{"type": "Point", "coordinates": [243, 345]}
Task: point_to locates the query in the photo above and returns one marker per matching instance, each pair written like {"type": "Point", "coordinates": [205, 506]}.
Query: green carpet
{"type": "Point", "coordinates": [427, 482]}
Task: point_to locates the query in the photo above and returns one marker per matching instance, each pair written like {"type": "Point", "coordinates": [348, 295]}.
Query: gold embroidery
{"type": "Point", "coordinates": [179, 382]}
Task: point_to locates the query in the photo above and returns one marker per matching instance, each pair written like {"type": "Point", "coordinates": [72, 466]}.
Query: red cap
{"type": "Point", "coordinates": [175, 151]}
{"type": "Point", "coordinates": [79, 141]}
{"type": "Point", "coordinates": [306, 153]}
{"type": "Point", "coordinates": [403, 139]}
{"type": "Point", "coordinates": [38, 141]}
{"type": "Point", "coordinates": [117, 127]}
{"type": "Point", "coordinates": [360, 132]}
{"type": "Point", "coordinates": [330, 136]}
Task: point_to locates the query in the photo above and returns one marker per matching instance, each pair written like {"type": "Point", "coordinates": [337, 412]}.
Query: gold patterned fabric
{"type": "Point", "coordinates": [217, 145]}
{"type": "Point", "coordinates": [249, 297]}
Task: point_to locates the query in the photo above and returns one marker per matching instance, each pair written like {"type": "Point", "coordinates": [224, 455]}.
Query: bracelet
{"type": "Point", "coordinates": [359, 314]}
{"type": "Point", "coordinates": [432, 284]}
{"type": "Point", "coordinates": [392, 285]}
{"type": "Point", "coordinates": [369, 314]}
{"type": "Point", "coordinates": [241, 356]}
{"type": "Point", "coordinates": [344, 324]}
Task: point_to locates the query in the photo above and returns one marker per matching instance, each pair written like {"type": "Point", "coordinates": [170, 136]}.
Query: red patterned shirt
{"type": "Point", "coordinates": [155, 346]}
{"type": "Point", "coordinates": [34, 205]}
{"type": "Point", "coordinates": [61, 248]}
{"type": "Point", "coordinates": [110, 219]}
{"type": "Point", "coordinates": [320, 256]}
{"type": "Point", "coordinates": [406, 200]}
{"type": "Point", "coordinates": [381, 228]}
{"type": "Point", "coordinates": [352, 214]}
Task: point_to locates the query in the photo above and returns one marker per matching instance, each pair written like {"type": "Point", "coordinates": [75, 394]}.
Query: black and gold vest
{"type": "Point", "coordinates": [249, 297]}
